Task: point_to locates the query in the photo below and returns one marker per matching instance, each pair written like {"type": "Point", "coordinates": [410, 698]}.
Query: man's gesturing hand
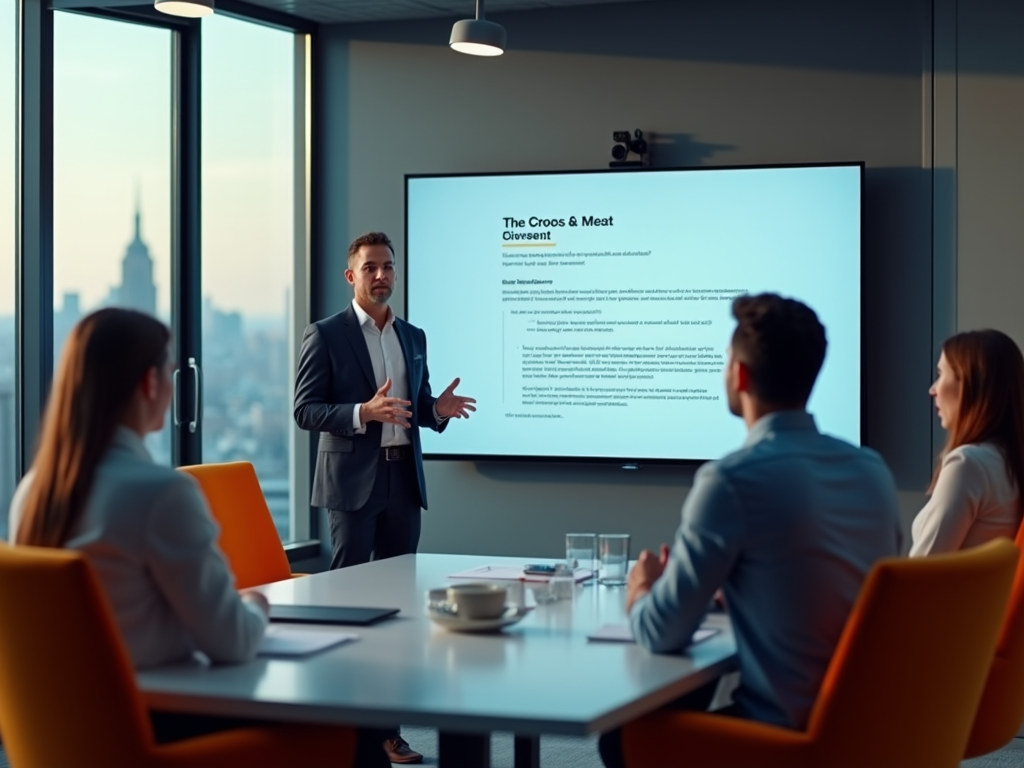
{"type": "Point", "coordinates": [648, 569]}
{"type": "Point", "coordinates": [389, 410]}
{"type": "Point", "coordinates": [450, 405]}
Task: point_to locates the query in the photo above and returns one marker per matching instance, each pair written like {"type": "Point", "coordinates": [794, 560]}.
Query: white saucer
{"type": "Point", "coordinates": [512, 614]}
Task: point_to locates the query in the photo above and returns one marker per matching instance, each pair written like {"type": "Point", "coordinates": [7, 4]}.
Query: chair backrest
{"type": "Point", "coordinates": [1001, 711]}
{"type": "Point", "coordinates": [67, 690]}
{"type": "Point", "coordinates": [248, 537]}
{"type": "Point", "coordinates": [913, 658]}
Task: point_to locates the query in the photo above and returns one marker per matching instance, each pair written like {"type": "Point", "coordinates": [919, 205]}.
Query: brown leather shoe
{"type": "Point", "coordinates": [399, 751]}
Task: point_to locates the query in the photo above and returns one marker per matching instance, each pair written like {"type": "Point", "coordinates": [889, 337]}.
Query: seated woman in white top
{"type": "Point", "coordinates": [145, 528]}
{"type": "Point", "coordinates": [975, 492]}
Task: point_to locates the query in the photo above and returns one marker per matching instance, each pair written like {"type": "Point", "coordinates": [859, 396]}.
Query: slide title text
{"type": "Point", "coordinates": [512, 223]}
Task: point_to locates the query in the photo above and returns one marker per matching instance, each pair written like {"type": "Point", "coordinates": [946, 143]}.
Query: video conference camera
{"type": "Point", "coordinates": [626, 143]}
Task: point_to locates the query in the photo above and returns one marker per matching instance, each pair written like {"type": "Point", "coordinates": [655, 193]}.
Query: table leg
{"type": "Point", "coordinates": [463, 750]}
{"type": "Point", "coordinates": [527, 752]}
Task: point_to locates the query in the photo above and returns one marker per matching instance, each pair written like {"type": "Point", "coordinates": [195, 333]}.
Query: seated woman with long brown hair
{"type": "Point", "coordinates": [976, 488]}
{"type": "Point", "coordinates": [145, 528]}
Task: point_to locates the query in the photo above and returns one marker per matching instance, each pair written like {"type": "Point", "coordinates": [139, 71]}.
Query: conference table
{"type": "Point", "coordinates": [539, 676]}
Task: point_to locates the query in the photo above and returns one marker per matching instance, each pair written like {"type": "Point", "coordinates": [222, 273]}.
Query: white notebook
{"type": "Point", "coordinates": [300, 641]}
{"type": "Point", "coordinates": [623, 633]}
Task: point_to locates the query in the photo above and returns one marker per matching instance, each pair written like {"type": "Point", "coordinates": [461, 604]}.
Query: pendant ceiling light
{"type": "Point", "coordinates": [192, 9]}
{"type": "Point", "coordinates": [478, 36]}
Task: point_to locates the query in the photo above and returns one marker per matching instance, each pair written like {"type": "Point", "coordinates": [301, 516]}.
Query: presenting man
{"type": "Point", "coordinates": [787, 527]}
{"type": "Point", "coordinates": [362, 383]}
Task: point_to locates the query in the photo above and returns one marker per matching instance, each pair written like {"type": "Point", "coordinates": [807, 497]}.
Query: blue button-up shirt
{"type": "Point", "coordinates": [788, 527]}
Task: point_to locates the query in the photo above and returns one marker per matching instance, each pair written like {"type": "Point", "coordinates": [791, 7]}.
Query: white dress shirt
{"type": "Point", "coordinates": [148, 533]}
{"type": "Point", "coordinates": [388, 361]}
{"type": "Point", "coordinates": [974, 501]}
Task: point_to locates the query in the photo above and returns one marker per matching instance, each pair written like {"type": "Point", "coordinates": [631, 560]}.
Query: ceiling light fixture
{"type": "Point", "coordinates": [192, 9]}
{"type": "Point", "coordinates": [478, 36]}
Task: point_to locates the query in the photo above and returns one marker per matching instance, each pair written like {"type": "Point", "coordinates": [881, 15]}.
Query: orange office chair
{"type": "Point", "coordinates": [902, 688]}
{"type": "Point", "coordinates": [1001, 711]}
{"type": "Point", "coordinates": [68, 694]}
{"type": "Point", "coordinates": [248, 537]}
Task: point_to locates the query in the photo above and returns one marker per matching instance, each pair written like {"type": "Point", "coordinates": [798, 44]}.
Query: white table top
{"type": "Point", "coordinates": [540, 676]}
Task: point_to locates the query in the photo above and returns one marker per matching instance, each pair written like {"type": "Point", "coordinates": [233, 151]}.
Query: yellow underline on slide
{"type": "Point", "coordinates": [530, 245]}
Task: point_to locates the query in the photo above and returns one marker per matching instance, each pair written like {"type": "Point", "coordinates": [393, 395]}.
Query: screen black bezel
{"type": "Point", "coordinates": [631, 462]}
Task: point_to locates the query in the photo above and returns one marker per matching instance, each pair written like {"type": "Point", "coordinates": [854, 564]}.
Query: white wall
{"type": "Point", "coordinates": [722, 83]}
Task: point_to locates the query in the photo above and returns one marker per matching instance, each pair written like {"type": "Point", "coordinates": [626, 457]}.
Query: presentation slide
{"type": "Point", "coordinates": [589, 313]}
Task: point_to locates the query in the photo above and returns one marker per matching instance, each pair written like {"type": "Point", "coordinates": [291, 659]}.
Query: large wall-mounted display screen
{"type": "Point", "coordinates": [589, 313]}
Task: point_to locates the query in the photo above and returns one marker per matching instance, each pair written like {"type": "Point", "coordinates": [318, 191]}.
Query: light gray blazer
{"type": "Point", "coordinates": [148, 533]}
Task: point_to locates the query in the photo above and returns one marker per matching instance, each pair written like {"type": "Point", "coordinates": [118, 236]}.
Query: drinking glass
{"type": "Point", "coordinates": [581, 550]}
{"type": "Point", "coordinates": [562, 582]}
{"type": "Point", "coordinates": [614, 553]}
{"type": "Point", "coordinates": [542, 592]}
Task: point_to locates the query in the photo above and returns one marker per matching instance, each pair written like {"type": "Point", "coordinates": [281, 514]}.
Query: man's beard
{"type": "Point", "coordinates": [380, 298]}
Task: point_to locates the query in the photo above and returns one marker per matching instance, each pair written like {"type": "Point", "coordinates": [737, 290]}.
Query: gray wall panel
{"type": "Point", "coordinates": [990, 147]}
{"type": "Point", "coordinates": [332, 293]}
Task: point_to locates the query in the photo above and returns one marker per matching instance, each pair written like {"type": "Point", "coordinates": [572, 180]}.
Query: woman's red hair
{"type": "Point", "coordinates": [990, 368]}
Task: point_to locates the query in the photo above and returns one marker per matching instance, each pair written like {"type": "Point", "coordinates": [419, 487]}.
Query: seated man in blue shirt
{"type": "Point", "coordinates": [787, 527]}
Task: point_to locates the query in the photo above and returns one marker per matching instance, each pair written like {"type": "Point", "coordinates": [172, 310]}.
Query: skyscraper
{"type": "Point", "coordinates": [64, 320]}
{"type": "Point", "coordinates": [137, 290]}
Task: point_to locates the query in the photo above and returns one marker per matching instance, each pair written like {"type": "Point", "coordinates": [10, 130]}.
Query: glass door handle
{"type": "Point", "coordinates": [197, 411]}
{"type": "Point", "coordinates": [175, 399]}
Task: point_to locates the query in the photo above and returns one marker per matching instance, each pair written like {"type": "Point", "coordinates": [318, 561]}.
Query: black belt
{"type": "Point", "coordinates": [395, 453]}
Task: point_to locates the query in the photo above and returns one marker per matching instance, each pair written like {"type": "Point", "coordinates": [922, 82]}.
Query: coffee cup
{"type": "Point", "coordinates": [477, 600]}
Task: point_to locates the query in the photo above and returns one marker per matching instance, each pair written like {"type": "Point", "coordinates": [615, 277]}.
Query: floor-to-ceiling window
{"type": "Point", "coordinates": [112, 174]}
{"type": "Point", "coordinates": [248, 250]}
{"type": "Point", "coordinates": [126, 154]}
{"type": "Point", "coordinates": [8, 149]}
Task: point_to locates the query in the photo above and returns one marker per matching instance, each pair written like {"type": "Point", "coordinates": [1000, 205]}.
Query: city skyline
{"type": "Point", "coordinates": [246, 382]}
{"type": "Point", "coordinates": [138, 289]}
{"type": "Point", "coordinates": [112, 142]}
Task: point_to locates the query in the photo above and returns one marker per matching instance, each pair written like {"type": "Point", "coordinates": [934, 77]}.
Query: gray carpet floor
{"type": "Point", "coordinates": [564, 752]}
{"type": "Point", "coordinates": [567, 752]}
{"type": "Point", "coordinates": [1010, 756]}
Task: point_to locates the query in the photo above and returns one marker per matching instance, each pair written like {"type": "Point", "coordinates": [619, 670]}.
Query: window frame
{"type": "Point", "coordinates": [34, 220]}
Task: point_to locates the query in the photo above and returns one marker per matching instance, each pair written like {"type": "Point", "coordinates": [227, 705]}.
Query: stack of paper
{"type": "Point", "coordinates": [300, 641]}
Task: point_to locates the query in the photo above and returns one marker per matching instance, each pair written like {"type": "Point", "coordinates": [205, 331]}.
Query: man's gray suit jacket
{"type": "Point", "coordinates": [334, 374]}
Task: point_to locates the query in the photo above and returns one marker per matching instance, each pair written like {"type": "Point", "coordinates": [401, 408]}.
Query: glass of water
{"type": "Point", "coordinates": [581, 550]}
{"type": "Point", "coordinates": [562, 583]}
{"type": "Point", "coordinates": [614, 554]}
